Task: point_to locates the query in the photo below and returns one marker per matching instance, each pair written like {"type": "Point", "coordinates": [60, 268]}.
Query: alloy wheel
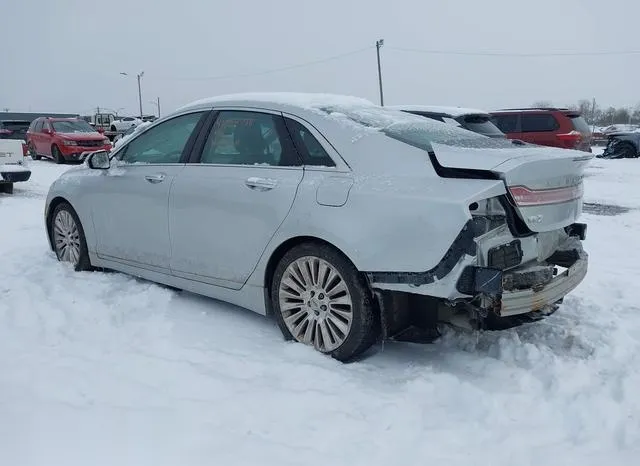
{"type": "Point", "coordinates": [66, 237]}
{"type": "Point", "coordinates": [315, 303]}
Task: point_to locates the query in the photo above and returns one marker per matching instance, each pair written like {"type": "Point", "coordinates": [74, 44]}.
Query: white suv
{"type": "Point", "coordinates": [12, 169]}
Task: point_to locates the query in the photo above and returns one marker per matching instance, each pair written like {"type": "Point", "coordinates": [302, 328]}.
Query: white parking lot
{"type": "Point", "coordinates": [103, 369]}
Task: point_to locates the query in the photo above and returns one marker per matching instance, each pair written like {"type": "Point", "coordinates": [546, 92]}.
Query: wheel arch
{"type": "Point", "coordinates": [279, 252]}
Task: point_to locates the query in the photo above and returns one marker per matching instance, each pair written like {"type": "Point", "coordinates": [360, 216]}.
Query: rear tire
{"type": "Point", "coordinates": [32, 152]}
{"type": "Point", "coordinates": [57, 155]}
{"type": "Point", "coordinates": [319, 298]}
{"type": "Point", "coordinates": [628, 151]}
{"type": "Point", "coordinates": [67, 237]}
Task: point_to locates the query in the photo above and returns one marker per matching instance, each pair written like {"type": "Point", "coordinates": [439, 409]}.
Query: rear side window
{"type": "Point", "coordinates": [308, 146]}
{"type": "Point", "coordinates": [506, 123]}
{"type": "Point", "coordinates": [38, 126]}
{"type": "Point", "coordinates": [538, 122]}
{"type": "Point", "coordinates": [579, 124]}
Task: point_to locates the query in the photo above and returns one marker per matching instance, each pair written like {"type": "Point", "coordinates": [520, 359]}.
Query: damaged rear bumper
{"type": "Point", "coordinates": [538, 298]}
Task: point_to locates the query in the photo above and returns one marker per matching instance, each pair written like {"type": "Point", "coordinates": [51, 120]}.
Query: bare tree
{"type": "Point", "coordinates": [542, 103]}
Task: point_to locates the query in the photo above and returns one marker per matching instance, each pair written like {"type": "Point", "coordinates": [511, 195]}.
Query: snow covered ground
{"type": "Point", "coordinates": [103, 369]}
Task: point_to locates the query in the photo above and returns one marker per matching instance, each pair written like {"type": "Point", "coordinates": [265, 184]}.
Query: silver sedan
{"type": "Point", "coordinates": [346, 221]}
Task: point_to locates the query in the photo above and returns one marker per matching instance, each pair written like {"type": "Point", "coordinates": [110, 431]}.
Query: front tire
{"type": "Point", "coordinates": [57, 155]}
{"type": "Point", "coordinates": [6, 188]}
{"type": "Point", "coordinates": [320, 299]}
{"type": "Point", "coordinates": [67, 236]}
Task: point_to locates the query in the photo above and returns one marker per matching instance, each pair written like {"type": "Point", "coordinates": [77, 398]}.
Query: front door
{"type": "Point", "coordinates": [131, 215]}
{"type": "Point", "coordinates": [224, 210]}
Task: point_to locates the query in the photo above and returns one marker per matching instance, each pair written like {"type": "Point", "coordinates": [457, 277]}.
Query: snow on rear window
{"type": "Point", "coordinates": [412, 129]}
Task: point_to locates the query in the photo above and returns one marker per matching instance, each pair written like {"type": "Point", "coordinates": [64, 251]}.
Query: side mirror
{"type": "Point", "coordinates": [101, 130]}
{"type": "Point", "coordinates": [47, 131]}
{"type": "Point", "coordinates": [99, 160]}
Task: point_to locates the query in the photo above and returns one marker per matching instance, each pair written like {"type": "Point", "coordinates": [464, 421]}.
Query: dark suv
{"type": "Point", "coordinates": [477, 121]}
{"type": "Point", "coordinates": [557, 127]}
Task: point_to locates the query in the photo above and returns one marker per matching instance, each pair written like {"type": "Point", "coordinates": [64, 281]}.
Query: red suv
{"type": "Point", "coordinates": [63, 139]}
{"type": "Point", "coordinates": [557, 127]}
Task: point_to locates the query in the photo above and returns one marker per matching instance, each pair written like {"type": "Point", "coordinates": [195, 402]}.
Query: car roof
{"type": "Point", "coordinates": [532, 109]}
{"type": "Point", "coordinates": [278, 101]}
{"type": "Point", "coordinates": [453, 111]}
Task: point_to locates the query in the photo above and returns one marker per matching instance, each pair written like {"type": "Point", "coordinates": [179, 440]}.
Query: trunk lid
{"type": "Point", "coordinates": [545, 184]}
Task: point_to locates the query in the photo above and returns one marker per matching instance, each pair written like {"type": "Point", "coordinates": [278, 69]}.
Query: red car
{"type": "Point", "coordinates": [556, 127]}
{"type": "Point", "coordinates": [64, 139]}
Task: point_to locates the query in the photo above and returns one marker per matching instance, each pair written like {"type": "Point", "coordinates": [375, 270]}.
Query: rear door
{"type": "Point", "coordinates": [225, 207]}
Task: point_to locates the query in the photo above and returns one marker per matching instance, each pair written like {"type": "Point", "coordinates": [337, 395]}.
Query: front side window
{"type": "Point", "coordinates": [249, 138]}
{"type": "Point", "coordinates": [164, 143]}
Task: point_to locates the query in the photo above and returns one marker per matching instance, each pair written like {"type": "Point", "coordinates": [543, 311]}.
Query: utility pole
{"type": "Point", "coordinates": [158, 107]}
{"type": "Point", "coordinates": [140, 93]}
{"type": "Point", "coordinates": [593, 116]}
{"type": "Point", "coordinates": [379, 44]}
{"type": "Point", "coordinates": [139, 76]}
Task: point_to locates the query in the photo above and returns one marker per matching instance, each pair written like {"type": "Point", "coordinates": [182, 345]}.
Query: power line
{"type": "Point", "coordinates": [510, 54]}
{"type": "Point", "coordinates": [275, 70]}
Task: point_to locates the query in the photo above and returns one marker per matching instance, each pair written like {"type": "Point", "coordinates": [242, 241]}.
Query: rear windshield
{"type": "Point", "coordinates": [480, 124]}
{"type": "Point", "coordinates": [15, 125]}
{"type": "Point", "coordinates": [579, 124]}
{"type": "Point", "coordinates": [414, 130]}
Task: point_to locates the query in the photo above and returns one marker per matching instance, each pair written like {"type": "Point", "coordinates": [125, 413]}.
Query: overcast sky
{"type": "Point", "coordinates": [66, 55]}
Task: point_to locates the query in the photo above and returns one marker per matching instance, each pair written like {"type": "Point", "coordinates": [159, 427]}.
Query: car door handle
{"type": "Point", "coordinates": [262, 184]}
{"type": "Point", "coordinates": [155, 178]}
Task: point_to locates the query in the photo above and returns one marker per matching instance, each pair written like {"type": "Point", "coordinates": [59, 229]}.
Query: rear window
{"type": "Point", "coordinates": [15, 125]}
{"type": "Point", "coordinates": [538, 122]}
{"type": "Point", "coordinates": [506, 123]}
{"type": "Point", "coordinates": [480, 124]}
{"type": "Point", "coordinates": [579, 124]}
{"type": "Point", "coordinates": [414, 130]}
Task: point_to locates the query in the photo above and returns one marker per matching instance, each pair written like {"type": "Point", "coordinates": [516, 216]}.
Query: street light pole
{"type": "Point", "coordinates": [379, 44]}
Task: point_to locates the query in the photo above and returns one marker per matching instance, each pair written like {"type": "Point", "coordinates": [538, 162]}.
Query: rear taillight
{"type": "Point", "coordinates": [570, 140]}
{"type": "Point", "coordinates": [5, 132]}
{"type": "Point", "coordinates": [525, 197]}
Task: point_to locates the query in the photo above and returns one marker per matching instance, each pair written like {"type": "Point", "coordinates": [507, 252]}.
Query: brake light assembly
{"type": "Point", "coordinates": [526, 197]}
{"type": "Point", "coordinates": [571, 139]}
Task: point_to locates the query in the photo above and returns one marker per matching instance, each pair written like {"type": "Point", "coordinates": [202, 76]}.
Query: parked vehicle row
{"type": "Point", "coordinates": [345, 221]}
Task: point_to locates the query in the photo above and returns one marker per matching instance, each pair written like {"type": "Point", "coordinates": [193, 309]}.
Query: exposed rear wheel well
{"type": "Point", "coordinates": [279, 253]}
